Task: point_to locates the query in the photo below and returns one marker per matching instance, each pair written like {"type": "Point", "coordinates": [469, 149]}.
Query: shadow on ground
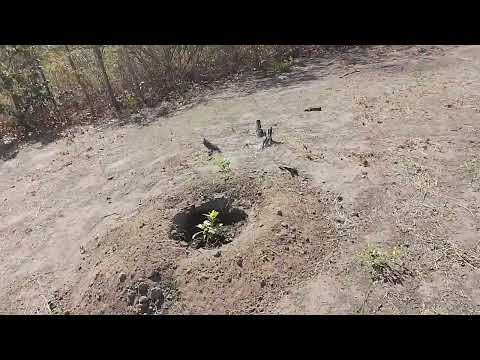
{"type": "Point", "coordinates": [9, 151]}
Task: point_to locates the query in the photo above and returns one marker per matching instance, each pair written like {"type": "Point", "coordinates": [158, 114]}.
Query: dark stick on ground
{"type": "Point", "coordinates": [260, 132]}
{"type": "Point", "coordinates": [349, 73]}
{"type": "Point", "coordinates": [314, 109]}
{"type": "Point", "coordinates": [268, 139]}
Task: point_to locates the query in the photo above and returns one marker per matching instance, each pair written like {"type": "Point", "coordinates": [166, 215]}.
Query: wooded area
{"type": "Point", "coordinates": [46, 88]}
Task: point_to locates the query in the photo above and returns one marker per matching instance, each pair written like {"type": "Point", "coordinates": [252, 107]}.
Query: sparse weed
{"type": "Point", "coordinates": [129, 100]}
{"type": "Point", "coordinates": [472, 168]}
{"type": "Point", "coordinates": [283, 66]}
{"type": "Point", "coordinates": [210, 228]}
{"type": "Point", "coordinates": [383, 266]}
{"type": "Point", "coordinates": [223, 164]}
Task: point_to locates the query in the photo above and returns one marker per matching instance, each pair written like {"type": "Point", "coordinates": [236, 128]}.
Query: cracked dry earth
{"type": "Point", "coordinates": [391, 163]}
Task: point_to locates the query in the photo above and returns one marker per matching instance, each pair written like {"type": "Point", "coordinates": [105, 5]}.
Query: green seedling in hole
{"type": "Point", "coordinates": [210, 228]}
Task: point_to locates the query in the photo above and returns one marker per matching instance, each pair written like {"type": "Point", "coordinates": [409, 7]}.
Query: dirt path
{"type": "Point", "coordinates": [392, 160]}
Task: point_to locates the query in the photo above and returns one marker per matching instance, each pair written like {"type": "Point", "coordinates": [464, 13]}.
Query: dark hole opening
{"type": "Point", "coordinates": [185, 222]}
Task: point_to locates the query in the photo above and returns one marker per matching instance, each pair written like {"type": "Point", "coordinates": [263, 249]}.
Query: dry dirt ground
{"type": "Point", "coordinates": [383, 217]}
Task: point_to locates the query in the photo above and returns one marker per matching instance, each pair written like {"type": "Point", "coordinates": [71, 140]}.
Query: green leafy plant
{"type": "Point", "coordinates": [129, 100]}
{"type": "Point", "coordinates": [383, 266]}
{"type": "Point", "coordinates": [283, 66]}
{"type": "Point", "coordinates": [473, 170]}
{"type": "Point", "coordinates": [210, 228]}
{"type": "Point", "coordinates": [223, 164]}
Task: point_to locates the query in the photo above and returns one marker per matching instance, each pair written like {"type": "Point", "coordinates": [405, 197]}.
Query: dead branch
{"type": "Point", "coordinates": [349, 73]}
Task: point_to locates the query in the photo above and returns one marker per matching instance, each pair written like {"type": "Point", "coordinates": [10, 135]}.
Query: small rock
{"type": "Point", "coordinates": [339, 198]}
{"type": "Point", "coordinates": [142, 225]}
{"type": "Point", "coordinates": [131, 295]}
{"type": "Point", "coordinates": [279, 212]}
{"type": "Point", "coordinates": [154, 276]}
{"type": "Point", "coordinates": [156, 294]}
{"type": "Point", "coordinates": [339, 220]}
{"type": "Point", "coordinates": [263, 283]}
{"type": "Point", "coordinates": [365, 162]}
{"type": "Point", "coordinates": [240, 262]}
{"type": "Point", "coordinates": [110, 178]}
{"type": "Point", "coordinates": [260, 225]}
{"type": "Point", "coordinates": [284, 224]}
{"type": "Point", "coordinates": [293, 229]}
{"type": "Point", "coordinates": [355, 214]}
{"type": "Point", "coordinates": [143, 288]}
{"type": "Point", "coordinates": [217, 254]}
{"type": "Point", "coordinates": [142, 306]}
{"type": "Point", "coordinates": [123, 277]}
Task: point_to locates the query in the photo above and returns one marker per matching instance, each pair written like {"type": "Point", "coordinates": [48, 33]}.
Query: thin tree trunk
{"type": "Point", "coordinates": [49, 91]}
{"type": "Point", "coordinates": [80, 81]}
{"type": "Point", "coordinates": [20, 115]}
{"type": "Point", "coordinates": [133, 75]}
{"type": "Point", "coordinates": [101, 64]}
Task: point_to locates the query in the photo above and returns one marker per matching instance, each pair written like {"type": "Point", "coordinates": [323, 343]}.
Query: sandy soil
{"type": "Point", "coordinates": [391, 162]}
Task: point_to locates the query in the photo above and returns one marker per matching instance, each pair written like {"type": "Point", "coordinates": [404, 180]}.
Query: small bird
{"type": "Point", "coordinates": [292, 171]}
{"type": "Point", "coordinates": [212, 148]}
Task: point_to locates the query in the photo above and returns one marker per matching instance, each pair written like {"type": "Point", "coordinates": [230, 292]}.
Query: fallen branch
{"type": "Point", "coordinates": [104, 216]}
{"type": "Point", "coordinates": [349, 73]}
{"type": "Point", "coordinates": [459, 205]}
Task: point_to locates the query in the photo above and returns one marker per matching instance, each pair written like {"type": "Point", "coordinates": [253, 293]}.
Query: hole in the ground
{"type": "Point", "coordinates": [185, 222]}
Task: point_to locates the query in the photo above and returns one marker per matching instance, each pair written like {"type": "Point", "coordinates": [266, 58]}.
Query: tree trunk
{"type": "Point", "coordinates": [133, 75]}
{"type": "Point", "coordinates": [101, 64]}
{"type": "Point", "coordinates": [49, 91]}
{"type": "Point", "coordinates": [80, 81]}
{"type": "Point", "coordinates": [20, 115]}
